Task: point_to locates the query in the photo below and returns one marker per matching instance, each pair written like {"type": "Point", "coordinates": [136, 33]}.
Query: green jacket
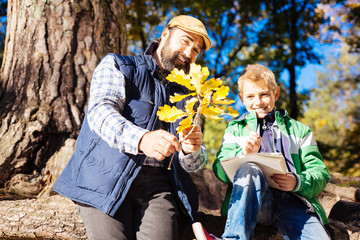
{"type": "Point", "coordinates": [310, 170]}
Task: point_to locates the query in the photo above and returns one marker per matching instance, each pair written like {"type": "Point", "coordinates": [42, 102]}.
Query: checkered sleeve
{"type": "Point", "coordinates": [194, 162]}
{"type": "Point", "coordinates": [106, 103]}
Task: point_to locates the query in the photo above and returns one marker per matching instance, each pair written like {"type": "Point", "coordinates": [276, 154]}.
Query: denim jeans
{"type": "Point", "coordinates": [149, 211]}
{"type": "Point", "coordinates": [253, 201]}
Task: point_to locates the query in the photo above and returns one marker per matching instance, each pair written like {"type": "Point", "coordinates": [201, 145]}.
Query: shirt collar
{"type": "Point", "coordinates": [270, 117]}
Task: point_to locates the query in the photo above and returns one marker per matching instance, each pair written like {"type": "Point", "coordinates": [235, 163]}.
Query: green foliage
{"type": "Point", "coordinates": [141, 18]}
{"type": "Point", "coordinates": [277, 33]}
{"type": "Point", "coordinates": [283, 101]}
{"type": "Point", "coordinates": [344, 22]}
{"type": "Point", "coordinates": [146, 17]}
{"type": "Point", "coordinates": [334, 113]}
{"type": "Point", "coordinates": [285, 40]}
{"type": "Point", "coordinates": [213, 134]}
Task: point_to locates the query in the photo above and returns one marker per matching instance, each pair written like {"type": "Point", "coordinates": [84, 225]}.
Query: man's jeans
{"type": "Point", "coordinates": [149, 211]}
{"type": "Point", "coordinates": [253, 201]}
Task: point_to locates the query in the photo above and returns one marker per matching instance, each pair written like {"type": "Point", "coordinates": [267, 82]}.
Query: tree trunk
{"type": "Point", "coordinates": [51, 50]}
{"type": "Point", "coordinates": [293, 94]}
{"type": "Point", "coordinates": [294, 36]}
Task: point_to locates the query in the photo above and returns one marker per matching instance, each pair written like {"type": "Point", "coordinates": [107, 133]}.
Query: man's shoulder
{"type": "Point", "coordinates": [126, 60]}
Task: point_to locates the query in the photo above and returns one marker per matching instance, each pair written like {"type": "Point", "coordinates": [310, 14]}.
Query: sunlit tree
{"type": "Point", "coordinates": [334, 112]}
{"type": "Point", "coordinates": [344, 24]}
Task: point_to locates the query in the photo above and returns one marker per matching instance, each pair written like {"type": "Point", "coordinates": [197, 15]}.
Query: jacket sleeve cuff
{"type": "Point", "coordinates": [194, 162]}
{"type": "Point", "coordinates": [298, 183]}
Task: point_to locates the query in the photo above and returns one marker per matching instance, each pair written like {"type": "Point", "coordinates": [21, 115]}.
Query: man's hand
{"type": "Point", "coordinates": [193, 142]}
{"type": "Point", "coordinates": [159, 144]}
{"type": "Point", "coordinates": [286, 182]}
{"type": "Point", "coordinates": [252, 144]}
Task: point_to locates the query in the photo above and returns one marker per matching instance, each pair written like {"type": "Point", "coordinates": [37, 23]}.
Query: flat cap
{"type": "Point", "coordinates": [191, 24]}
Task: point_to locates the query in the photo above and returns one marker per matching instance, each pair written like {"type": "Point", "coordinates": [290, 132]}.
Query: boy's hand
{"type": "Point", "coordinates": [193, 142]}
{"type": "Point", "coordinates": [252, 144]}
{"type": "Point", "coordinates": [286, 182]}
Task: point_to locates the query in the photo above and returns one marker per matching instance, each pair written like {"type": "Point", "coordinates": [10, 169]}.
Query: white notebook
{"type": "Point", "coordinates": [270, 163]}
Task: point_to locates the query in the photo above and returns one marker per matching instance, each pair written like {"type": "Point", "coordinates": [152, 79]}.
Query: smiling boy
{"type": "Point", "coordinates": [295, 209]}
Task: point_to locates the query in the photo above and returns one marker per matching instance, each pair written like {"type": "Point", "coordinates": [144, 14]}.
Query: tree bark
{"type": "Point", "coordinates": [293, 60]}
{"type": "Point", "coordinates": [293, 93]}
{"type": "Point", "coordinates": [51, 50]}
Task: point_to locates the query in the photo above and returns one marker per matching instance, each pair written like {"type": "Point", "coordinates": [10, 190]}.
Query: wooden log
{"type": "Point", "coordinates": [53, 217]}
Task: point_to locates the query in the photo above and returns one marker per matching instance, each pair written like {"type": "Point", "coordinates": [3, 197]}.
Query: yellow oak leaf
{"type": "Point", "coordinates": [223, 101]}
{"type": "Point", "coordinates": [178, 97]}
{"type": "Point", "coordinates": [207, 97]}
{"type": "Point", "coordinates": [196, 82]}
{"type": "Point", "coordinates": [194, 68]}
{"type": "Point", "coordinates": [232, 112]}
{"type": "Point", "coordinates": [221, 93]}
{"type": "Point", "coordinates": [184, 124]}
{"type": "Point", "coordinates": [181, 78]}
{"type": "Point", "coordinates": [170, 114]}
{"type": "Point", "coordinates": [197, 76]}
{"type": "Point", "coordinates": [189, 107]}
{"type": "Point", "coordinates": [214, 117]}
{"type": "Point", "coordinates": [212, 84]}
{"type": "Point", "coordinates": [212, 113]}
{"type": "Point", "coordinates": [212, 110]}
{"type": "Point", "coordinates": [205, 72]}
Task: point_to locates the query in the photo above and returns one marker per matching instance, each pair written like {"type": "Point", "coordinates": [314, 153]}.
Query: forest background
{"type": "Point", "coordinates": [50, 48]}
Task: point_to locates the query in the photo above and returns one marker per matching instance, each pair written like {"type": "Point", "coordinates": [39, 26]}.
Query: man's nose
{"type": "Point", "coordinates": [188, 52]}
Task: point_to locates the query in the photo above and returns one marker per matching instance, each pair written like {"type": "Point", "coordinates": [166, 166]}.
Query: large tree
{"type": "Point", "coordinates": [51, 50]}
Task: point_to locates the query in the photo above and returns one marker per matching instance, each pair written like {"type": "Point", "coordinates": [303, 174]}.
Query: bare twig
{"type": "Point", "coordinates": [196, 122]}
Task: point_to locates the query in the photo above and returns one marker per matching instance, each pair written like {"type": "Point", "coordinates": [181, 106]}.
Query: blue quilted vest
{"type": "Point", "coordinates": [100, 175]}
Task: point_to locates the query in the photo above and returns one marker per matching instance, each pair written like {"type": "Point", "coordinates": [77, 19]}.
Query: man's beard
{"type": "Point", "coordinates": [171, 61]}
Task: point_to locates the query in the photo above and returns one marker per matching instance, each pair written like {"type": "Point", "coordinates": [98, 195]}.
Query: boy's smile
{"type": "Point", "coordinates": [257, 96]}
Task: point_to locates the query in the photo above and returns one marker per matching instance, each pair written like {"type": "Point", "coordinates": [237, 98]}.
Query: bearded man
{"type": "Point", "coordinates": [117, 174]}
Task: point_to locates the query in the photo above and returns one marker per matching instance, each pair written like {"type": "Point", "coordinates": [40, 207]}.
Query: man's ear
{"type": "Point", "coordinates": [165, 33]}
{"type": "Point", "coordinates": [277, 93]}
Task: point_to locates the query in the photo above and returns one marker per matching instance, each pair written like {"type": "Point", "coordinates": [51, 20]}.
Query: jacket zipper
{"type": "Point", "coordinates": [264, 127]}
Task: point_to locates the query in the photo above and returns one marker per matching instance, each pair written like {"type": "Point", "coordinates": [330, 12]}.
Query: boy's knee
{"type": "Point", "coordinates": [249, 171]}
{"type": "Point", "coordinates": [249, 174]}
{"type": "Point", "coordinates": [249, 168]}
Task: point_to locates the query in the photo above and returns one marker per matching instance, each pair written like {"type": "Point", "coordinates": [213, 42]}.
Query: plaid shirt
{"type": "Point", "coordinates": [106, 103]}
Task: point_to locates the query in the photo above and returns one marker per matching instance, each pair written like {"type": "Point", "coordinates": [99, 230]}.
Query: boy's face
{"type": "Point", "coordinates": [259, 97]}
